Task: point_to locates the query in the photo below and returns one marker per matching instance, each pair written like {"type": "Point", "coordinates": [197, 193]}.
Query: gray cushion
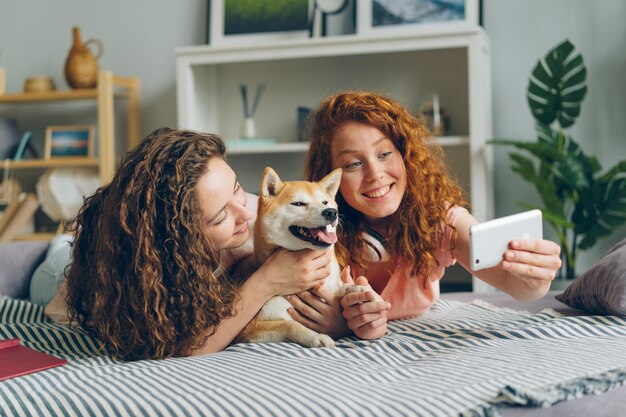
{"type": "Point", "coordinates": [601, 289]}
{"type": "Point", "coordinates": [18, 260]}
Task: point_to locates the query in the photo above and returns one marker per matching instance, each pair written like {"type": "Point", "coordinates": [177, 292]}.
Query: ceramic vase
{"type": "Point", "coordinates": [81, 66]}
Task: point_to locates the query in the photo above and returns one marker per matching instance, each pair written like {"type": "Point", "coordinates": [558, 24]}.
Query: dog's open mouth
{"type": "Point", "coordinates": [319, 236]}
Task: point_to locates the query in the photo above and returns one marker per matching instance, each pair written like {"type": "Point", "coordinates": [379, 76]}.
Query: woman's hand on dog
{"type": "Point", "coordinates": [320, 310]}
{"type": "Point", "coordinates": [323, 311]}
{"type": "Point", "coordinates": [365, 316]}
{"type": "Point", "coordinates": [287, 272]}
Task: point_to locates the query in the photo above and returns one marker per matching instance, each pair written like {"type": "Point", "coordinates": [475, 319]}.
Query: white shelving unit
{"type": "Point", "coordinates": [410, 68]}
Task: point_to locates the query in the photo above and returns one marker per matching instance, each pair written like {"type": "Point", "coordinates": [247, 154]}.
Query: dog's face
{"type": "Point", "coordinates": [297, 215]}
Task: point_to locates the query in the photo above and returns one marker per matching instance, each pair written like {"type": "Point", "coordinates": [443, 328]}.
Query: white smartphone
{"type": "Point", "coordinates": [489, 240]}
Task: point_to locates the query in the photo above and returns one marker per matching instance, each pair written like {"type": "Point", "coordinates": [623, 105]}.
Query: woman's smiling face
{"type": "Point", "coordinates": [223, 204]}
{"type": "Point", "coordinates": [374, 174]}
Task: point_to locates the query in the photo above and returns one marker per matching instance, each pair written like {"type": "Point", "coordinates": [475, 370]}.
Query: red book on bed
{"type": "Point", "coordinates": [17, 360]}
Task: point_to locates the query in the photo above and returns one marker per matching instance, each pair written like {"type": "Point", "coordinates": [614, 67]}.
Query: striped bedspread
{"type": "Point", "coordinates": [457, 359]}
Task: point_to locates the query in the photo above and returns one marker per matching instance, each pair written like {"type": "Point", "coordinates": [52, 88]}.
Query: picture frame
{"type": "Point", "coordinates": [232, 22]}
{"type": "Point", "coordinates": [69, 141]}
{"type": "Point", "coordinates": [376, 17]}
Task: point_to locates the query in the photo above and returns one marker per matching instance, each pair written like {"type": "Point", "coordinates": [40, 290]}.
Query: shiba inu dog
{"type": "Point", "coordinates": [294, 215]}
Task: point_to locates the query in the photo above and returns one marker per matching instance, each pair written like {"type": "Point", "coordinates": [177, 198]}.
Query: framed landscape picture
{"type": "Point", "coordinates": [415, 16]}
{"type": "Point", "coordinates": [245, 21]}
{"type": "Point", "coordinates": [73, 141]}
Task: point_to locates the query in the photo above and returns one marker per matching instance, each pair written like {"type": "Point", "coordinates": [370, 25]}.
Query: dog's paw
{"type": "Point", "coordinates": [348, 288]}
{"type": "Point", "coordinates": [309, 338]}
{"type": "Point", "coordinates": [324, 341]}
{"type": "Point", "coordinates": [316, 340]}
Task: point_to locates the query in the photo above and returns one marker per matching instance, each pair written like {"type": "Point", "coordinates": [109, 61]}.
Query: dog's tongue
{"type": "Point", "coordinates": [325, 234]}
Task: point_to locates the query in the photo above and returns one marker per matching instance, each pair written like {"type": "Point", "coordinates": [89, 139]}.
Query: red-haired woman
{"type": "Point", "coordinates": [403, 220]}
{"type": "Point", "coordinates": [153, 249]}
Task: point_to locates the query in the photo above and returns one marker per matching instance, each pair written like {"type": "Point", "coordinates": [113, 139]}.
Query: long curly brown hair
{"type": "Point", "coordinates": [415, 227]}
{"type": "Point", "coordinates": [142, 273]}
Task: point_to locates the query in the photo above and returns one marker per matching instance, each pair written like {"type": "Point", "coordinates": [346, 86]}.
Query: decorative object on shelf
{"type": "Point", "coordinates": [39, 84]}
{"type": "Point", "coordinates": [248, 128]}
{"type": "Point", "coordinates": [73, 141]}
{"type": "Point", "coordinates": [25, 144]}
{"type": "Point", "coordinates": [319, 10]}
{"type": "Point", "coordinates": [3, 80]}
{"type": "Point", "coordinates": [435, 117]}
{"type": "Point", "coordinates": [304, 125]}
{"type": "Point", "coordinates": [81, 66]}
{"type": "Point", "coordinates": [582, 204]}
{"type": "Point", "coordinates": [415, 16]}
{"type": "Point", "coordinates": [245, 21]}
{"type": "Point", "coordinates": [61, 191]}
{"type": "Point", "coordinates": [9, 137]}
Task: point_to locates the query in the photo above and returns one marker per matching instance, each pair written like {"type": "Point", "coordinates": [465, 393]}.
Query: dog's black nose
{"type": "Point", "coordinates": [330, 214]}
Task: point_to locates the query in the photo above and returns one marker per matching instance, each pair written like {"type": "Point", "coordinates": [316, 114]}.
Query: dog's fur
{"type": "Point", "coordinates": [294, 215]}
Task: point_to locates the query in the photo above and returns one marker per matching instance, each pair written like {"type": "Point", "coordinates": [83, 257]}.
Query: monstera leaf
{"type": "Point", "coordinates": [580, 203]}
{"type": "Point", "coordinates": [557, 86]}
{"type": "Point", "coordinates": [602, 207]}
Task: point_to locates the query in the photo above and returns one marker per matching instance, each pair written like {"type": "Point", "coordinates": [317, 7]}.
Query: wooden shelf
{"type": "Point", "coordinates": [453, 141]}
{"type": "Point", "coordinates": [109, 86]}
{"type": "Point", "coordinates": [52, 163]}
{"type": "Point", "coordinates": [35, 236]}
{"type": "Point", "coordinates": [294, 147]}
{"type": "Point", "coordinates": [276, 148]}
{"type": "Point", "coordinates": [64, 95]}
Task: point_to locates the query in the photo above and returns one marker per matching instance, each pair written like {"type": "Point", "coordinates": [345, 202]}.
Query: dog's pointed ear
{"type": "Point", "coordinates": [331, 181]}
{"type": "Point", "coordinates": [270, 183]}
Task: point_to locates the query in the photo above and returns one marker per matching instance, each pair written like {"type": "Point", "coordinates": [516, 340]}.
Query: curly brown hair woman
{"type": "Point", "coordinates": [403, 220]}
{"type": "Point", "coordinates": [153, 248]}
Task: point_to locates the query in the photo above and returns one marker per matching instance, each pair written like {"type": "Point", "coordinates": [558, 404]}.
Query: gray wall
{"type": "Point", "coordinates": [522, 31]}
{"type": "Point", "coordinates": [140, 36]}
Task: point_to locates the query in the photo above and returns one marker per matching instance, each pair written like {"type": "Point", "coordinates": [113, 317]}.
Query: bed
{"type": "Point", "coordinates": [463, 357]}
{"type": "Point", "coordinates": [470, 355]}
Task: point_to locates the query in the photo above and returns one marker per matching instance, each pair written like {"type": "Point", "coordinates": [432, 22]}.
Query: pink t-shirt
{"type": "Point", "coordinates": [409, 295]}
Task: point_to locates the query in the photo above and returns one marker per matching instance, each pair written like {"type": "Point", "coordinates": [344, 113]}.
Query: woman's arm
{"type": "Point", "coordinates": [251, 302]}
{"type": "Point", "coordinates": [283, 273]}
{"type": "Point", "coordinates": [528, 267]}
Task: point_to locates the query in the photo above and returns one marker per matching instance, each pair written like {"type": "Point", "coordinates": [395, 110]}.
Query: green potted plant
{"type": "Point", "coordinates": [580, 202]}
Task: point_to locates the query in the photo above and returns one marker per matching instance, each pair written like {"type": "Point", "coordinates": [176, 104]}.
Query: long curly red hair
{"type": "Point", "coordinates": [416, 226]}
{"type": "Point", "coordinates": [142, 273]}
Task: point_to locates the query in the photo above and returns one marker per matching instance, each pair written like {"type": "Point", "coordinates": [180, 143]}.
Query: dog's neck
{"type": "Point", "coordinates": [263, 249]}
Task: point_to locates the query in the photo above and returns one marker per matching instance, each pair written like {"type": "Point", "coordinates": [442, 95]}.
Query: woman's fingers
{"type": "Point", "coordinates": [346, 277]}
{"type": "Point", "coordinates": [323, 293]}
{"type": "Point", "coordinates": [537, 259]}
{"type": "Point", "coordinates": [362, 281]}
{"type": "Point", "coordinates": [373, 307]}
{"type": "Point", "coordinates": [529, 271]}
{"type": "Point", "coordinates": [541, 246]}
{"type": "Point", "coordinates": [305, 321]}
{"type": "Point", "coordinates": [302, 306]}
{"type": "Point", "coordinates": [372, 322]}
{"type": "Point", "coordinates": [354, 298]}
{"type": "Point", "coordinates": [319, 259]}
